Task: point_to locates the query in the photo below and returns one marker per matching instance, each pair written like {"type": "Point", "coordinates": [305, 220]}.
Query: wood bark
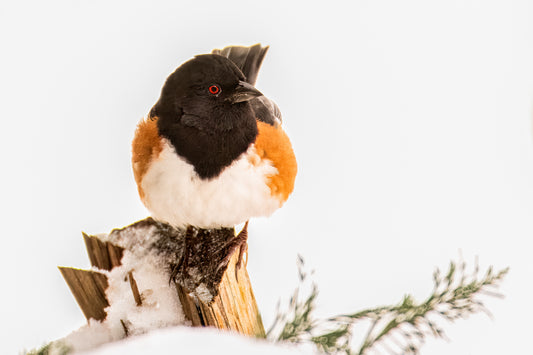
{"type": "Point", "coordinates": [211, 291]}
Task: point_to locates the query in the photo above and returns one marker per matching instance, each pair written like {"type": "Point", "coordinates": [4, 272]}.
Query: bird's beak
{"type": "Point", "coordinates": [244, 92]}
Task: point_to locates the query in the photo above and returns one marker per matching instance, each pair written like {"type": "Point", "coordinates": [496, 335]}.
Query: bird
{"type": "Point", "coordinates": [212, 152]}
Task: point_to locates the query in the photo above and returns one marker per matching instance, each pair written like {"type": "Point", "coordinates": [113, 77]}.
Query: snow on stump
{"type": "Point", "coordinates": [133, 265]}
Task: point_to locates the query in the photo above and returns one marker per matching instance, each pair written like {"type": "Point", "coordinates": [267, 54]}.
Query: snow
{"type": "Point", "coordinates": [158, 325]}
{"type": "Point", "coordinates": [186, 340]}
{"type": "Point", "coordinates": [411, 121]}
{"type": "Point", "coordinates": [160, 307]}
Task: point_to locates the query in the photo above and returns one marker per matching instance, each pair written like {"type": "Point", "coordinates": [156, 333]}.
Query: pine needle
{"type": "Point", "coordinates": [397, 329]}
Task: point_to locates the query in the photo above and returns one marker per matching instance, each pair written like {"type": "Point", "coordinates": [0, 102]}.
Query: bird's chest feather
{"type": "Point", "coordinates": [212, 140]}
{"type": "Point", "coordinates": [175, 193]}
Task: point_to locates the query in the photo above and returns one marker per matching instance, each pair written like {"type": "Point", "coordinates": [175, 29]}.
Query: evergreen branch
{"type": "Point", "coordinates": [297, 322]}
{"type": "Point", "coordinates": [400, 328]}
{"type": "Point", "coordinates": [55, 347]}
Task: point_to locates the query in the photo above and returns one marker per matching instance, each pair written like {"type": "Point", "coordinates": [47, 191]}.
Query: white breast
{"type": "Point", "coordinates": [175, 194]}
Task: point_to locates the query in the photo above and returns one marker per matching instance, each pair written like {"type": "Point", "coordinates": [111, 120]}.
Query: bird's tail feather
{"type": "Point", "coordinates": [248, 59]}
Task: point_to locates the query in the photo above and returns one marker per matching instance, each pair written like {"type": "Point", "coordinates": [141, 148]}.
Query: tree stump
{"type": "Point", "coordinates": [211, 291]}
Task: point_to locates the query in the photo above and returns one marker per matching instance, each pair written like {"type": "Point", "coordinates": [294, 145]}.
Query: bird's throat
{"type": "Point", "coordinates": [210, 152]}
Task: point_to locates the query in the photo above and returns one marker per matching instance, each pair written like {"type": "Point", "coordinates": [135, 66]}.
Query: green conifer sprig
{"type": "Point", "coordinates": [298, 322]}
{"type": "Point", "coordinates": [395, 329]}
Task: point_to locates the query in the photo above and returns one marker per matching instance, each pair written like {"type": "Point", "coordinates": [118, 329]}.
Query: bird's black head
{"type": "Point", "coordinates": [204, 111]}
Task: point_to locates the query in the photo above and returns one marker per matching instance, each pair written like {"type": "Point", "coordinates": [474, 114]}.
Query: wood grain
{"type": "Point", "coordinates": [233, 307]}
{"type": "Point", "coordinates": [88, 288]}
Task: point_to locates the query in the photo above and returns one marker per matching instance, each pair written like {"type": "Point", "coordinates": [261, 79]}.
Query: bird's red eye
{"type": "Point", "coordinates": [214, 89]}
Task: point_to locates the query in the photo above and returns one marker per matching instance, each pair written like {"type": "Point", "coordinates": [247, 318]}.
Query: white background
{"type": "Point", "coordinates": [410, 121]}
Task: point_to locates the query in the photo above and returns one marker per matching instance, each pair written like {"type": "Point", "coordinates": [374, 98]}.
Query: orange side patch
{"type": "Point", "coordinates": [146, 146]}
{"type": "Point", "coordinates": [273, 144]}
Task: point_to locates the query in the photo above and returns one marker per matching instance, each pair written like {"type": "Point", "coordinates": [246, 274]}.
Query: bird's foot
{"type": "Point", "coordinates": [239, 242]}
{"type": "Point", "coordinates": [183, 263]}
{"type": "Point", "coordinates": [243, 247]}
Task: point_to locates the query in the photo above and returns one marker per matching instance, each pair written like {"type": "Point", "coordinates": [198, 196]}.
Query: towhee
{"type": "Point", "coordinates": [212, 153]}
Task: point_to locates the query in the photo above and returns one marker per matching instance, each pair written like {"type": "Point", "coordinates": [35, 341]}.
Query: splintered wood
{"type": "Point", "coordinates": [88, 288]}
{"type": "Point", "coordinates": [234, 308]}
{"type": "Point", "coordinates": [211, 292]}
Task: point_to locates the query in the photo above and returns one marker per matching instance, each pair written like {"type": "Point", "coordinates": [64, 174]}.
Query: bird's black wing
{"type": "Point", "coordinates": [249, 60]}
{"type": "Point", "coordinates": [266, 110]}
